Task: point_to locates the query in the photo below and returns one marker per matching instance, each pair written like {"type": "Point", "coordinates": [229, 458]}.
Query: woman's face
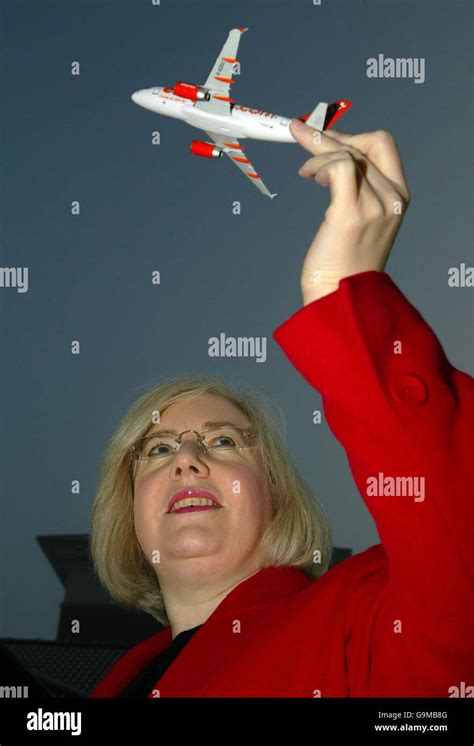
{"type": "Point", "coordinates": [215, 541]}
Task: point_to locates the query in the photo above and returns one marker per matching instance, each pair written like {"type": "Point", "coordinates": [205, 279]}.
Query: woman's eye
{"type": "Point", "coordinates": [229, 443]}
{"type": "Point", "coordinates": [154, 451]}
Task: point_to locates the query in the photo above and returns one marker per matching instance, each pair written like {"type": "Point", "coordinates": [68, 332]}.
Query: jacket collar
{"type": "Point", "coordinates": [267, 585]}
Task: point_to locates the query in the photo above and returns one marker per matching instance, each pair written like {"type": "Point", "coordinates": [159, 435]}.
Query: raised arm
{"type": "Point", "coordinates": [404, 416]}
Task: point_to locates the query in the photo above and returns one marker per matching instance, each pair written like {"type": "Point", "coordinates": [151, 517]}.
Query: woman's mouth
{"type": "Point", "coordinates": [190, 504]}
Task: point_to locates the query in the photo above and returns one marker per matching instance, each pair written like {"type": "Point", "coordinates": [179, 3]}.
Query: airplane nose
{"type": "Point", "coordinates": [135, 95]}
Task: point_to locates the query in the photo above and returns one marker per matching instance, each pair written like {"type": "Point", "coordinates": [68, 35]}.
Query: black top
{"type": "Point", "coordinates": [142, 685]}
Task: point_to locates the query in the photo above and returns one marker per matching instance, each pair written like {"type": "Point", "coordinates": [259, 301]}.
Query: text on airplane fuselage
{"type": "Point", "coordinates": [255, 111]}
{"type": "Point", "coordinates": [172, 97]}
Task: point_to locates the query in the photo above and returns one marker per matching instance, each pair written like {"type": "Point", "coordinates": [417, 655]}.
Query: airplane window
{"type": "Point", "coordinates": [155, 90]}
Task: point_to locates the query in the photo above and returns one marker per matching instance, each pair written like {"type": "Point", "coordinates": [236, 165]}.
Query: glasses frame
{"type": "Point", "coordinates": [247, 431]}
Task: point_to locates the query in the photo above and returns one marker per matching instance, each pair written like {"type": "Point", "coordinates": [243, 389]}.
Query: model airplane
{"type": "Point", "coordinates": [210, 108]}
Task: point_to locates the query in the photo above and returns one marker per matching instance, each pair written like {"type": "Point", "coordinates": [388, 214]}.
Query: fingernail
{"type": "Point", "coordinates": [297, 125]}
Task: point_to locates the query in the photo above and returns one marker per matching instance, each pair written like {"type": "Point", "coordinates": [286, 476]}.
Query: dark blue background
{"type": "Point", "coordinates": [146, 208]}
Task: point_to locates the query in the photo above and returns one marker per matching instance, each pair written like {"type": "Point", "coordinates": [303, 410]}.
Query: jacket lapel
{"type": "Point", "coordinates": [209, 650]}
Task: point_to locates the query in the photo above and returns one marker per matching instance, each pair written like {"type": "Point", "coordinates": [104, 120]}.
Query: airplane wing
{"type": "Point", "coordinates": [220, 78]}
{"type": "Point", "coordinates": [234, 150]}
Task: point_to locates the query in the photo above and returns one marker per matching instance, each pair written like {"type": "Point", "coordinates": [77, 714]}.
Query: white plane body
{"type": "Point", "coordinates": [243, 122]}
{"type": "Point", "coordinates": [210, 108]}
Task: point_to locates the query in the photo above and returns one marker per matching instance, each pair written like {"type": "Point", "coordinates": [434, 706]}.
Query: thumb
{"type": "Point", "coordinates": [310, 138]}
{"type": "Point", "coordinates": [300, 130]}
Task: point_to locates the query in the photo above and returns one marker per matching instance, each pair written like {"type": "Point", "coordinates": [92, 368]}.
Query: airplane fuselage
{"type": "Point", "coordinates": [243, 121]}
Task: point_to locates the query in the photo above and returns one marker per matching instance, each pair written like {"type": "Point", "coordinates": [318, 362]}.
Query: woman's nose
{"type": "Point", "coordinates": [189, 456]}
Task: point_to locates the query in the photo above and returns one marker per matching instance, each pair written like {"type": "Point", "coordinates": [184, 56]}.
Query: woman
{"type": "Point", "coordinates": [238, 571]}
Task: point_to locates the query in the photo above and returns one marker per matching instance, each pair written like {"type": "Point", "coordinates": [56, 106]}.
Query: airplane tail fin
{"type": "Point", "coordinates": [324, 115]}
{"type": "Point", "coordinates": [317, 117]}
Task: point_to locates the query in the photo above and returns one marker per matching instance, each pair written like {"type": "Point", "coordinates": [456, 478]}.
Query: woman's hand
{"type": "Point", "coordinates": [369, 196]}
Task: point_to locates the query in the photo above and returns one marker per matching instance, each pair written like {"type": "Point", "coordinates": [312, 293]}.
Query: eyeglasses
{"type": "Point", "coordinates": [163, 445]}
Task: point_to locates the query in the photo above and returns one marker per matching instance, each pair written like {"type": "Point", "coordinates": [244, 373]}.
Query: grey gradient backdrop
{"type": "Point", "coordinates": [146, 208]}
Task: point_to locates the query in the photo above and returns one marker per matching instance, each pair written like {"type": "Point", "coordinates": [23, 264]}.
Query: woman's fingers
{"type": "Point", "coordinates": [369, 177]}
{"type": "Point", "coordinates": [381, 149]}
{"type": "Point", "coordinates": [338, 170]}
{"type": "Point", "coordinates": [343, 174]}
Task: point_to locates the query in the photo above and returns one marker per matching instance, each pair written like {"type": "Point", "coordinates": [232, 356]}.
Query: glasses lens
{"type": "Point", "coordinates": [156, 446]}
{"type": "Point", "coordinates": [226, 438]}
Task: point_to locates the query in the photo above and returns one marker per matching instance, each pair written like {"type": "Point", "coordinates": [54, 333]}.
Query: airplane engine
{"type": "Point", "coordinates": [205, 149]}
{"type": "Point", "coordinates": [192, 92]}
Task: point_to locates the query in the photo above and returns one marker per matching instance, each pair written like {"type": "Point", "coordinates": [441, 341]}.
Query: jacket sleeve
{"type": "Point", "coordinates": [404, 416]}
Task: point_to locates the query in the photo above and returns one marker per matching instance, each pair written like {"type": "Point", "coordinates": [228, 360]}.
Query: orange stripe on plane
{"type": "Point", "coordinates": [234, 145]}
{"type": "Point", "coordinates": [229, 59]}
{"type": "Point", "coordinates": [224, 80]}
{"type": "Point", "coordinates": [240, 160]}
{"type": "Point", "coordinates": [224, 98]}
{"type": "Point", "coordinates": [254, 176]}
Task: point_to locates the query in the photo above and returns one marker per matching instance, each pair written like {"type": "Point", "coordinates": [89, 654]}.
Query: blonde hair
{"type": "Point", "coordinates": [298, 534]}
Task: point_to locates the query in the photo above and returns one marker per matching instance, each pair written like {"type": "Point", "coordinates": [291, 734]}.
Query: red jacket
{"type": "Point", "coordinates": [397, 619]}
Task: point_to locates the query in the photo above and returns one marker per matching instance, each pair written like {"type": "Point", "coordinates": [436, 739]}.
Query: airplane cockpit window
{"type": "Point", "coordinates": [155, 90]}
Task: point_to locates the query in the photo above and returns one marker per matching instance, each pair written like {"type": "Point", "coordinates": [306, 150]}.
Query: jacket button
{"type": "Point", "coordinates": [409, 389]}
